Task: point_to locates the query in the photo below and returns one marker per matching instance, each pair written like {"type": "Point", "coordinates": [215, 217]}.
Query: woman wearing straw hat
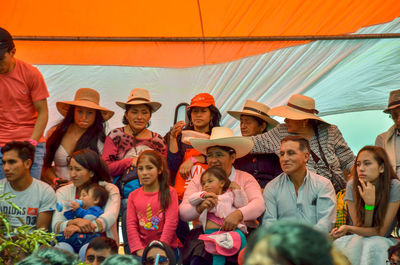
{"type": "Point", "coordinates": [221, 150]}
{"type": "Point", "coordinates": [254, 120]}
{"type": "Point", "coordinates": [82, 127]}
{"type": "Point", "coordinates": [330, 154]}
{"type": "Point", "coordinates": [123, 145]}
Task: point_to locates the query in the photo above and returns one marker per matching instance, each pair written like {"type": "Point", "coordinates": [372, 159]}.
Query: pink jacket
{"type": "Point", "coordinates": [228, 202]}
{"type": "Point", "coordinates": [247, 182]}
{"type": "Point", "coordinates": [146, 221]}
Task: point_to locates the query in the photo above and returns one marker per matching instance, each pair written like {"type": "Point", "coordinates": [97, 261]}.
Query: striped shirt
{"type": "Point", "coordinates": [337, 152]}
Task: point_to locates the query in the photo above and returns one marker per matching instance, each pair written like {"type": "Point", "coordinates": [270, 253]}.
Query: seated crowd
{"type": "Point", "coordinates": [197, 195]}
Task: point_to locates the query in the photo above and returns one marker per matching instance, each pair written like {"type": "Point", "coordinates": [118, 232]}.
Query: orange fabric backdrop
{"type": "Point", "coordinates": [178, 18]}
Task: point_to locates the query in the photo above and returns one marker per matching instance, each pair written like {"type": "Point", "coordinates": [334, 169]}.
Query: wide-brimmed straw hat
{"type": "Point", "coordinates": [394, 101]}
{"type": "Point", "coordinates": [85, 97]}
{"type": "Point", "coordinates": [255, 109]}
{"type": "Point", "coordinates": [299, 107]}
{"type": "Point", "coordinates": [140, 96]}
{"type": "Point", "coordinates": [223, 136]}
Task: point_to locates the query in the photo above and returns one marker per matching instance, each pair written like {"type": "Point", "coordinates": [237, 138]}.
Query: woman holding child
{"type": "Point", "coordinates": [373, 197]}
{"type": "Point", "coordinates": [86, 167]}
{"type": "Point", "coordinates": [221, 150]}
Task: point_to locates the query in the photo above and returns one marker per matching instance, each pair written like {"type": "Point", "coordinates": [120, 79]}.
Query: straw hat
{"type": "Point", "coordinates": [223, 136]}
{"type": "Point", "coordinates": [85, 97]}
{"type": "Point", "coordinates": [299, 107]}
{"type": "Point", "coordinates": [140, 96]}
{"type": "Point", "coordinates": [255, 109]}
{"type": "Point", "coordinates": [394, 101]}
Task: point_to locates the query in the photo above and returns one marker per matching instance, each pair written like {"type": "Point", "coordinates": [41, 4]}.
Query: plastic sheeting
{"type": "Point", "coordinates": [341, 75]}
{"type": "Point", "coordinates": [178, 18]}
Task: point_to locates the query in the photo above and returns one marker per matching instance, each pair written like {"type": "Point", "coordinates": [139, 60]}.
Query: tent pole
{"type": "Point", "coordinates": [211, 39]}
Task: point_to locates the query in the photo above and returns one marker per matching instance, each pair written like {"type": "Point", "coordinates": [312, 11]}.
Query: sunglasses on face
{"type": "Point", "coordinates": [152, 260]}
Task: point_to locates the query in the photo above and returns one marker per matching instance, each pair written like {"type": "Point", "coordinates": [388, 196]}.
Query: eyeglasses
{"type": "Point", "coordinates": [152, 260]}
{"type": "Point", "coordinates": [392, 262]}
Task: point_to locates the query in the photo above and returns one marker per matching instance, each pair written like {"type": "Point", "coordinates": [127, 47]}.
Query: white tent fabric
{"type": "Point", "coordinates": [341, 75]}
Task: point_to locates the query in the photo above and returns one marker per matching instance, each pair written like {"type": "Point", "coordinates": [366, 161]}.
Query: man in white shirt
{"type": "Point", "coordinates": [298, 193]}
{"type": "Point", "coordinates": [35, 198]}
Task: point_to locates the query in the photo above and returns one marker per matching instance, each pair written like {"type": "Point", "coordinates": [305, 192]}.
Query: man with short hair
{"type": "Point", "coordinates": [35, 198]}
{"type": "Point", "coordinates": [298, 193]}
{"type": "Point", "coordinates": [23, 103]}
{"type": "Point", "coordinates": [390, 140]}
{"type": "Point", "coordinates": [99, 249]}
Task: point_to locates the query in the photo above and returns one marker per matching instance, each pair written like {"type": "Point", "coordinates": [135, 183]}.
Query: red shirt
{"type": "Point", "coordinates": [18, 90]}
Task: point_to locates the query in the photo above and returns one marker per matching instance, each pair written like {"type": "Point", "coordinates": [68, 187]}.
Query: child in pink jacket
{"type": "Point", "coordinates": [215, 182]}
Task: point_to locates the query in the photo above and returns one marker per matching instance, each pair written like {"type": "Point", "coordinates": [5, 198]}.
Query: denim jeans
{"type": "Point", "coordinates": [36, 169]}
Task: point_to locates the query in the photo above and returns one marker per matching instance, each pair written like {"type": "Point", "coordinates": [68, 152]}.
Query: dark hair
{"type": "Point", "coordinates": [88, 140]}
{"type": "Point", "coordinates": [214, 122]}
{"type": "Point", "coordinates": [394, 250]}
{"type": "Point", "coordinates": [50, 256]}
{"type": "Point", "coordinates": [220, 174]}
{"type": "Point", "coordinates": [382, 190]}
{"type": "Point", "coordinates": [92, 162]}
{"type": "Point", "coordinates": [99, 192]}
{"type": "Point", "coordinates": [120, 260]}
{"type": "Point", "coordinates": [103, 242]}
{"type": "Point", "coordinates": [161, 245]}
{"type": "Point", "coordinates": [163, 179]}
{"type": "Point", "coordinates": [303, 142]}
{"type": "Point", "coordinates": [290, 242]}
{"type": "Point", "coordinates": [128, 107]}
{"type": "Point", "coordinates": [24, 149]}
{"type": "Point", "coordinates": [227, 149]}
{"type": "Point", "coordinates": [261, 122]}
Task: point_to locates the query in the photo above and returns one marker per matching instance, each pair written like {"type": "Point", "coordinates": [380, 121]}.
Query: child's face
{"type": "Point", "coordinates": [88, 199]}
{"type": "Point", "coordinates": [210, 183]}
{"type": "Point", "coordinates": [147, 172]}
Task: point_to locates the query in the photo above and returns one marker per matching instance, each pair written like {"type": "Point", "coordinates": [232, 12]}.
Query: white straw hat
{"type": "Point", "coordinates": [223, 136]}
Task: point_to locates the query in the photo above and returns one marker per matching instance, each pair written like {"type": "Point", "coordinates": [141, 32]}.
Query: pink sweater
{"type": "Point", "coordinates": [145, 221]}
{"type": "Point", "coordinates": [120, 148]}
{"type": "Point", "coordinates": [247, 182]}
{"type": "Point", "coordinates": [228, 202]}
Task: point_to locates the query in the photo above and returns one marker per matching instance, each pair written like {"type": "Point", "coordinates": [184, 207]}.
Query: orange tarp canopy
{"type": "Point", "coordinates": [179, 18]}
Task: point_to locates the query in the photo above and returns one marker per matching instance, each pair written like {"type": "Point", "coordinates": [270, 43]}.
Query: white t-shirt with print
{"type": "Point", "coordinates": [38, 197]}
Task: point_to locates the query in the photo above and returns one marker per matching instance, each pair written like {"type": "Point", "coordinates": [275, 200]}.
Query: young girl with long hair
{"type": "Point", "coordinates": [373, 198]}
{"type": "Point", "coordinates": [152, 212]}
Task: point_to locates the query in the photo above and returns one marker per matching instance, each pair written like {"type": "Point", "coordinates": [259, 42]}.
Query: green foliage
{"type": "Point", "coordinates": [16, 243]}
